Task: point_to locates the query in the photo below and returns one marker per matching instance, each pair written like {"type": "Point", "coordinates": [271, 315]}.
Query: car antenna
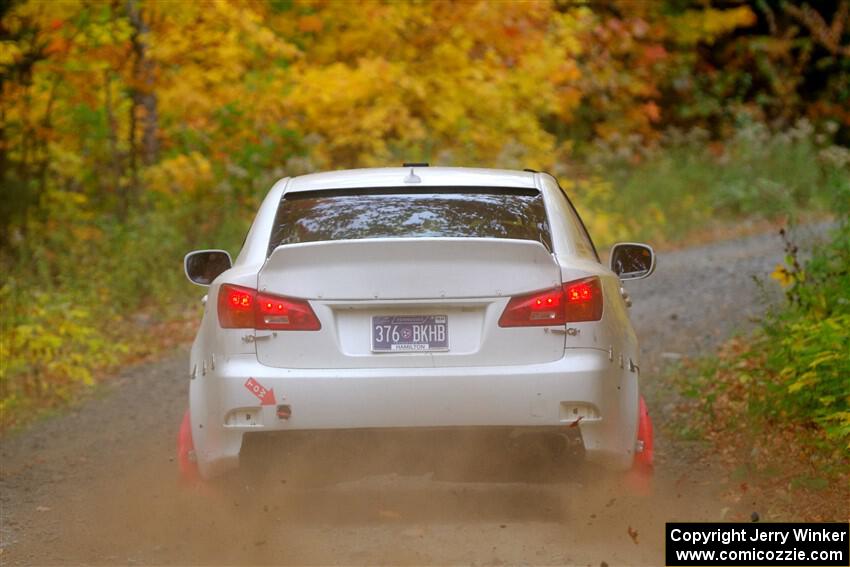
{"type": "Point", "coordinates": [412, 177]}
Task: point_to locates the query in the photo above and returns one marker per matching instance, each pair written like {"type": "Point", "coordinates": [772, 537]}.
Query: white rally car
{"type": "Point", "coordinates": [416, 297]}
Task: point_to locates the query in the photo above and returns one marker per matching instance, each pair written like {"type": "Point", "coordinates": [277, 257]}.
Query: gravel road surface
{"type": "Point", "coordinates": [99, 485]}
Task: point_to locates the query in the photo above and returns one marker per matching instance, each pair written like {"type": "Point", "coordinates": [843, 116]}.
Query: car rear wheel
{"type": "Point", "coordinates": [186, 462]}
{"type": "Point", "coordinates": [639, 478]}
{"type": "Point", "coordinates": [644, 459]}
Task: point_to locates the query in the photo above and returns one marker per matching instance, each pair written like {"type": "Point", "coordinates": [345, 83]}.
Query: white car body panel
{"type": "Point", "coordinates": [409, 268]}
{"type": "Point", "coordinates": [428, 177]}
{"type": "Point", "coordinates": [491, 376]}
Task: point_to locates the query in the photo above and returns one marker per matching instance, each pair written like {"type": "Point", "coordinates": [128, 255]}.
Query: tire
{"type": "Point", "coordinates": [644, 459]}
{"type": "Point", "coordinates": [639, 478]}
{"type": "Point", "coordinates": [186, 452]}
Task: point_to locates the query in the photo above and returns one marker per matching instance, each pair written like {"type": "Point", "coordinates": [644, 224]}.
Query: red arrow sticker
{"type": "Point", "coordinates": [263, 394]}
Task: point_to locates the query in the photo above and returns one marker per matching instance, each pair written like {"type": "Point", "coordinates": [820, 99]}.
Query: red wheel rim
{"type": "Point", "coordinates": [644, 459]}
{"type": "Point", "coordinates": [639, 479]}
{"type": "Point", "coordinates": [186, 451]}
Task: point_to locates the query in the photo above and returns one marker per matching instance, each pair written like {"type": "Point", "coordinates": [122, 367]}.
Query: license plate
{"type": "Point", "coordinates": [410, 333]}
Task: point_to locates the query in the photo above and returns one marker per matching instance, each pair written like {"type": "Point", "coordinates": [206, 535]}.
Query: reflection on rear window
{"type": "Point", "coordinates": [350, 214]}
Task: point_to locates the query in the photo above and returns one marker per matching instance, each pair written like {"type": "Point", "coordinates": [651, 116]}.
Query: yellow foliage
{"type": "Point", "coordinates": [780, 273]}
{"type": "Point", "coordinates": [595, 196]}
{"type": "Point", "coordinates": [185, 173]}
{"type": "Point", "coordinates": [694, 26]}
{"type": "Point", "coordinates": [467, 83]}
{"type": "Point", "coordinates": [10, 52]}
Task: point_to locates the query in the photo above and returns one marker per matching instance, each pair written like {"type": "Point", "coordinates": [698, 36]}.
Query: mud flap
{"type": "Point", "coordinates": [186, 452]}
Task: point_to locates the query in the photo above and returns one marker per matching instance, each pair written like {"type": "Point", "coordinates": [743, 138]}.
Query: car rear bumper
{"type": "Point", "coordinates": [584, 389]}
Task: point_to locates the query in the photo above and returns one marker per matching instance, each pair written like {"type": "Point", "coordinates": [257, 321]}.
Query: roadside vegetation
{"type": "Point", "coordinates": [775, 405]}
{"type": "Point", "coordinates": [133, 132]}
{"type": "Point", "coordinates": [690, 188]}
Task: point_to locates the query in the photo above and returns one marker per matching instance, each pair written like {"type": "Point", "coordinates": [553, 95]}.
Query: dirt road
{"type": "Point", "coordinates": [98, 485]}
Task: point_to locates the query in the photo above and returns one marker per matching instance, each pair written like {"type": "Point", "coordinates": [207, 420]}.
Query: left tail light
{"type": "Point", "coordinates": [245, 308]}
{"type": "Point", "coordinates": [573, 302]}
{"type": "Point", "coordinates": [236, 307]}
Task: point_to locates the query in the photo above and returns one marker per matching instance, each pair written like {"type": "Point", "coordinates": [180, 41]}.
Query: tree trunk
{"type": "Point", "coordinates": [144, 107]}
{"type": "Point", "coordinates": [116, 159]}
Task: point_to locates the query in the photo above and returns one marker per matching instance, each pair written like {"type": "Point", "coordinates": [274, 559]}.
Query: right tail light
{"type": "Point", "coordinates": [573, 302]}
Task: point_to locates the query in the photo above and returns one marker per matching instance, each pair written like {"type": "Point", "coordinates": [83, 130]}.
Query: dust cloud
{"type": "Point", "coordinates": [427, 497]}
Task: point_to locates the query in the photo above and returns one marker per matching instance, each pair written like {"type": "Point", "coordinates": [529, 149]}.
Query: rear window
{"type": "Point", "coordinates": [350, 214]}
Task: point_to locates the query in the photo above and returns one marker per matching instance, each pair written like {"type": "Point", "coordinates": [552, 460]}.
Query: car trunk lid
{"type": "Point", "coordinates": [462, 284]}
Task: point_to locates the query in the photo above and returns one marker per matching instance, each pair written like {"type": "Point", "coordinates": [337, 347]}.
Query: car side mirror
{"type": "Point", "coordinates": [632, 261]}
{"type": "Point", "coordinates": [203, 266]}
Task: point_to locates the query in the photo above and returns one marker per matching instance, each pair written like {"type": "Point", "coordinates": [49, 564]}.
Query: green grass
{"type": "Point", "coordinates": [687, 185]}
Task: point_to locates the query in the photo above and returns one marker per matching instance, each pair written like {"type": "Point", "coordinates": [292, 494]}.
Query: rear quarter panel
{"type": "Point", "coordinates": [614, 334]}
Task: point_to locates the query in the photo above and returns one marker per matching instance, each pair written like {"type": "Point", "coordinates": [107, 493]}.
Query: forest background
{"type": "Point", "coordinates": [133, 131]}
